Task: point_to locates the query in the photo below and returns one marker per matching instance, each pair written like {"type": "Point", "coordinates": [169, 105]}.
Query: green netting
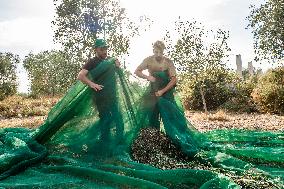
{"type": "Point", "coordinates": [85, 142]}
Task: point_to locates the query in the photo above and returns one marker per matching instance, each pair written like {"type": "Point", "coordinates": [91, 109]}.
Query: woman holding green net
{"type": "Point", "coordinates": [104, 96]}
{"type": "Point", "coordinates": [159, 102]}
{"type": "Point", "coordinates": [157, 64]}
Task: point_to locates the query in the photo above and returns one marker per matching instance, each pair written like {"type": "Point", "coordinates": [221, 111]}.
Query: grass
{"type": "Point", "coordinates": [220, 115]}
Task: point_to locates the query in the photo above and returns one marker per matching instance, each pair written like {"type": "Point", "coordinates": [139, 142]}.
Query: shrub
{"type": "Point", "coordinates": [216, 91]}
{"type": "Point", "coordinates": [269, 92]}
{"type": "Point", "coordinates": [241, 99]}
{"type": "Point", "coordinates": [18, 106]}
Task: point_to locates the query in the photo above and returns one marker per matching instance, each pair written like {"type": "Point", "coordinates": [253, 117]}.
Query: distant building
{"type": "Point", "coordinates": [250, 68]}
{"type": "Point", "coordinates": [245, 73]}
{"type": "Point", "coordinates": [239, 65]}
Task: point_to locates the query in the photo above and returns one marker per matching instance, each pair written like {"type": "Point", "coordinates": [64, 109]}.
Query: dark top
{"type": "Point", "coordinates": [92, 63]}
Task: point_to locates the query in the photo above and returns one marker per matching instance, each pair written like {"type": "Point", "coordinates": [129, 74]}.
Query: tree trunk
{"type": "Point", "coordinates": [203, 100]}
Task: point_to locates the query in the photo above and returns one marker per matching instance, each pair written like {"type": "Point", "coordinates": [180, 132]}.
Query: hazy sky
{"type": "Point", "coordinates": [25, 25]}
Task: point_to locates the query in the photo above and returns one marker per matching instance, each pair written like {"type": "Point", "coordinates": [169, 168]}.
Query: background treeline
{"type": "Point", "coordinates": [51, 75]}
{"type": "Point", "coordinates": [200, 55]}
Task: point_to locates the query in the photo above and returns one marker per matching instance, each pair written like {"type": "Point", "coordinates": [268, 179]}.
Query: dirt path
{"type": "Point", "coordinates": [223, 120]}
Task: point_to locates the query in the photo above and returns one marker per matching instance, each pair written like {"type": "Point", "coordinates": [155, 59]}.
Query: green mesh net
{"type": "Point", "coordinates": [86, 141]}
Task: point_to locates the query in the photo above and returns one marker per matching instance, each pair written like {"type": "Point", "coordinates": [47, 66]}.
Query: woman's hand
{"type": "Point", "coordinates": [96, 87]}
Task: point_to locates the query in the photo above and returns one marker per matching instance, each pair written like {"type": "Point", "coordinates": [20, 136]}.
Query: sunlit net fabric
{"type": "Point", "coordinates": [81, 147]}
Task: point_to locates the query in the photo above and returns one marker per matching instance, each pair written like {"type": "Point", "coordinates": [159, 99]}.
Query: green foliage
{"type": "Point", "coordinates": [269, 92]}
{"type": "Point", "coordinates": [216, 91]}
{"type": "Point", "coordinates": [8, 77]}
{"type": "Point", "coordinates": [50, 73]}
{"type": "Point", "coordinates": [241, 99]}
{"type": "Point", "coordinates": [77, 37]}
{"type": "Point", "coordinates": [200, 56]}
{"type": "Point", "coordinates": [267, 26]}
{"type": "Point", "coordinates": [198, 49]}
